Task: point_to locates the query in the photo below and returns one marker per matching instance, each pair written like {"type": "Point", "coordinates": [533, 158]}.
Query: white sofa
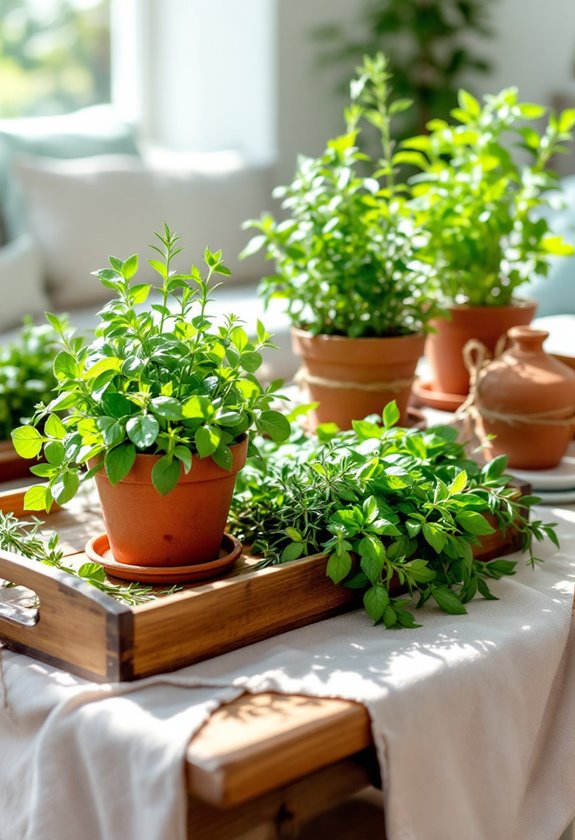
{"type": "Point", "coordinates": [80, 211]}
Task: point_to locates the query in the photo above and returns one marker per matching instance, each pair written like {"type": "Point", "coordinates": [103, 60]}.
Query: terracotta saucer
{"type": "Point", "coordinates": [425, 393]}
{"type": "Point", "coordinates": [98, 550]}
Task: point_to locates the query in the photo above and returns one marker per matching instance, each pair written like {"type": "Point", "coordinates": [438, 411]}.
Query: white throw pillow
{"type": "Point", "coordinates": [21, 284]}
{"type": "Point", "coordinates": [81, 211]}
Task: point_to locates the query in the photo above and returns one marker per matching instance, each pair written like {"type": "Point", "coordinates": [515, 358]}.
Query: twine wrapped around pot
{"type": "Point", "coordinates": [304, 377]}
{"type": "Point", "coordinates": [476, 357]}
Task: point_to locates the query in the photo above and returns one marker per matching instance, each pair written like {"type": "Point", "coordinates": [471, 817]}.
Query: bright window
{"type": "Point", "coordinates": [54, 56]}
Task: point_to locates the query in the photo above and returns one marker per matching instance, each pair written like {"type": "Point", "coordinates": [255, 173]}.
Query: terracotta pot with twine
{"type": "Point", "coordinates": [353, 377]}
{"type": "Point", "coordinates": [182, 528]}
{"type": "Point", "coordinates": [524, 397]}
{"type": "Point", "coordinates": [486, 324]}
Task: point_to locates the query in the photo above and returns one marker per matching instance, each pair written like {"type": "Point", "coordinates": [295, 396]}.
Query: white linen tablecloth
{"type": "Point", "coordinates": [473, 718]}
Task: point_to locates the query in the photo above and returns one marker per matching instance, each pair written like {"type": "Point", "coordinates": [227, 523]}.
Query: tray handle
{"type": "Point", "coordinates": [47, 583]}
{"type": "Point", "coordinates": [17, 613]}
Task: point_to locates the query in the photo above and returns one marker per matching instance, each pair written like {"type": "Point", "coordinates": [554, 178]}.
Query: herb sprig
{"type": "Point", "coordinates": [25, 537]}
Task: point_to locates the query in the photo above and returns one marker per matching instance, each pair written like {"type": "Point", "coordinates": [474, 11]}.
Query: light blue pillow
{"type": "Point", "coordinates": [90, 131]}
{"type": "Point", "coordinates": [556, 292]}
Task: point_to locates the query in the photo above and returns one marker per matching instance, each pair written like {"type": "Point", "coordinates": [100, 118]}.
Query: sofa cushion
{"type": "Point", "coordinates": [21, 285]}
{"type": "Point", "coordinates": [90, 131]}
{"type": "Point", "coordinates": [81, 211]}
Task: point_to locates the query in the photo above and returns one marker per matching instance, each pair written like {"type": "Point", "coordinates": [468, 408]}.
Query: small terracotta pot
{"type": "Point", "coordinates": [444, 348]}
{"type": "Point", "coordinates": [184, 527]}
{"type": "Point", "coordinates": [342, 374]}
{"type": "Point", "coordinates": [521, 387]}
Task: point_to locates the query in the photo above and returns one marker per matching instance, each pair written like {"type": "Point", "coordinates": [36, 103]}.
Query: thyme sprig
{"type": "Point", "coordinates": [26, 537]}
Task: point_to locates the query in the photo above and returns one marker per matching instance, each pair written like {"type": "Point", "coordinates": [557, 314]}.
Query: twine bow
{"type": "Point", "coordinates": [476, 357]}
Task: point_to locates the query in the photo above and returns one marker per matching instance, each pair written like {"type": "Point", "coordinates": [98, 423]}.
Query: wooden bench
{"type": "Point", "coordinates": [274, 762]}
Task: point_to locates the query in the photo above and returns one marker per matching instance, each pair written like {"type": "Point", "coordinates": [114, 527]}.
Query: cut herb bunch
{"type": "Point", "coordinates": [393, 509]}
{"type": "Point", "coordinates": [25, 537]}
{"type": "Point", "coordinates": [26, 376]}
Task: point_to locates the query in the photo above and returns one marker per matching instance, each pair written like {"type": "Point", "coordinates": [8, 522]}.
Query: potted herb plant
{"type": "Point", "coordinates": [26, 379]}
{"type": "Point", "coordinates": [159, 407]}
{"type": "Point", "coordinates": [483, 186]}
{"type": "Point", "coordinates": [346, 264]}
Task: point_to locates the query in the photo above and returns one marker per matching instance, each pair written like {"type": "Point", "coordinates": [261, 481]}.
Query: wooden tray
{"type": "Point", "coordinates": [84, 631]}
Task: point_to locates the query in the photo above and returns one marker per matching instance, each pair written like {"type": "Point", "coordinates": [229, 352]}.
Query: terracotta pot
{"type": "Point", "coordinates": [354, 377]}
{"type": "Point", "coordinates": [444, 348]}
{"type": "Point", "coordinates": [526, 398]}
{"type": "Point", "coordinates": [184, 527]}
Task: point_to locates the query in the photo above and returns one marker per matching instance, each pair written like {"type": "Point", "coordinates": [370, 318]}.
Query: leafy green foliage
{"type": "Point", "coordinates": [390, 507]}
{"type": "Point", "coordinates": [164, 380]}
{"type": "Point", "coordinates": [26, 376]}
{"type": "Point", "coordinates": [27, 539]}
{"type": "Point", "coordinates": [428, 46]}
{"type": "Point", "coordinates": [346, 257]}
{"type": "Point", "coordinates": [484, 179]}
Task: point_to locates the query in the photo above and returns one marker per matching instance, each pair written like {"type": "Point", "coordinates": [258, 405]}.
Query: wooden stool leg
{"type": "Point", "coordinates": [283, 814]}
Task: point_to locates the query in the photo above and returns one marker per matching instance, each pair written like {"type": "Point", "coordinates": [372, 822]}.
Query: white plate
{"type": "Point", "coordinates": [555, 497]}
{"type": "Point", "coordinates": [561, 477]}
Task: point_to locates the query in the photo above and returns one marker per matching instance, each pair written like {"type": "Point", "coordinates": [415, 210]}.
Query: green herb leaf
{"type": "Point", "coordinates": [38, 497]}
{"type": "Point", "coordinates": [291, 552]}
{"type": "Point", "coordinates": [223, 457]}
{"type": "Point", "coordinates": [54, 427]}
{"type": "Point", "coordinates": [474, 523]}
{"type": "Point", "coordinates": [207, 439]}
{"type": "Point", "coordinates": [64, 487]}
{"type": "Point", "coordinates": [376, 601]}
{"type": "Point", "coordinates": [166, 407]}
{"type": "Point", "coordinates": [338, 566]}
{"type": "Point", "coordinates": [390, 414]}
{"type": "Point", "coordinates": [435, 536]}
{"type": "Point", "coordinates": [448, 602]}
{"type": "Point", "coordinates": [27, 442]}
{"type": "Point", "coordinates": [183, 454]}
{"type": "Point", "coordinates": [143, 430]}
{"type": "Point", "coordinates": [372, 555]}
{"type": "Point", "coordinates": [119, 461]}
{"type": "Point", "coordinates": [165, 474]}
{"type": "Point", "coordinates": [275, 425]}
{"type": "Point", "coordinates": [197, 408]}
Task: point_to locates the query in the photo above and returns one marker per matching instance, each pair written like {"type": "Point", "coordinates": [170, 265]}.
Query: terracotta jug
{"type": "Point", "coordinates": [526, 398]}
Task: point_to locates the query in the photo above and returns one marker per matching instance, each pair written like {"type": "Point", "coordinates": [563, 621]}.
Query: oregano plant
{"type": "Point", "coordinates": [346, 253]}
{"type": "Point", "coordinates": [397, 513]}
{"type": "Point", "coordinates": [484, 184]}
{"type": "Point", "coordinates": [164, 379]}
